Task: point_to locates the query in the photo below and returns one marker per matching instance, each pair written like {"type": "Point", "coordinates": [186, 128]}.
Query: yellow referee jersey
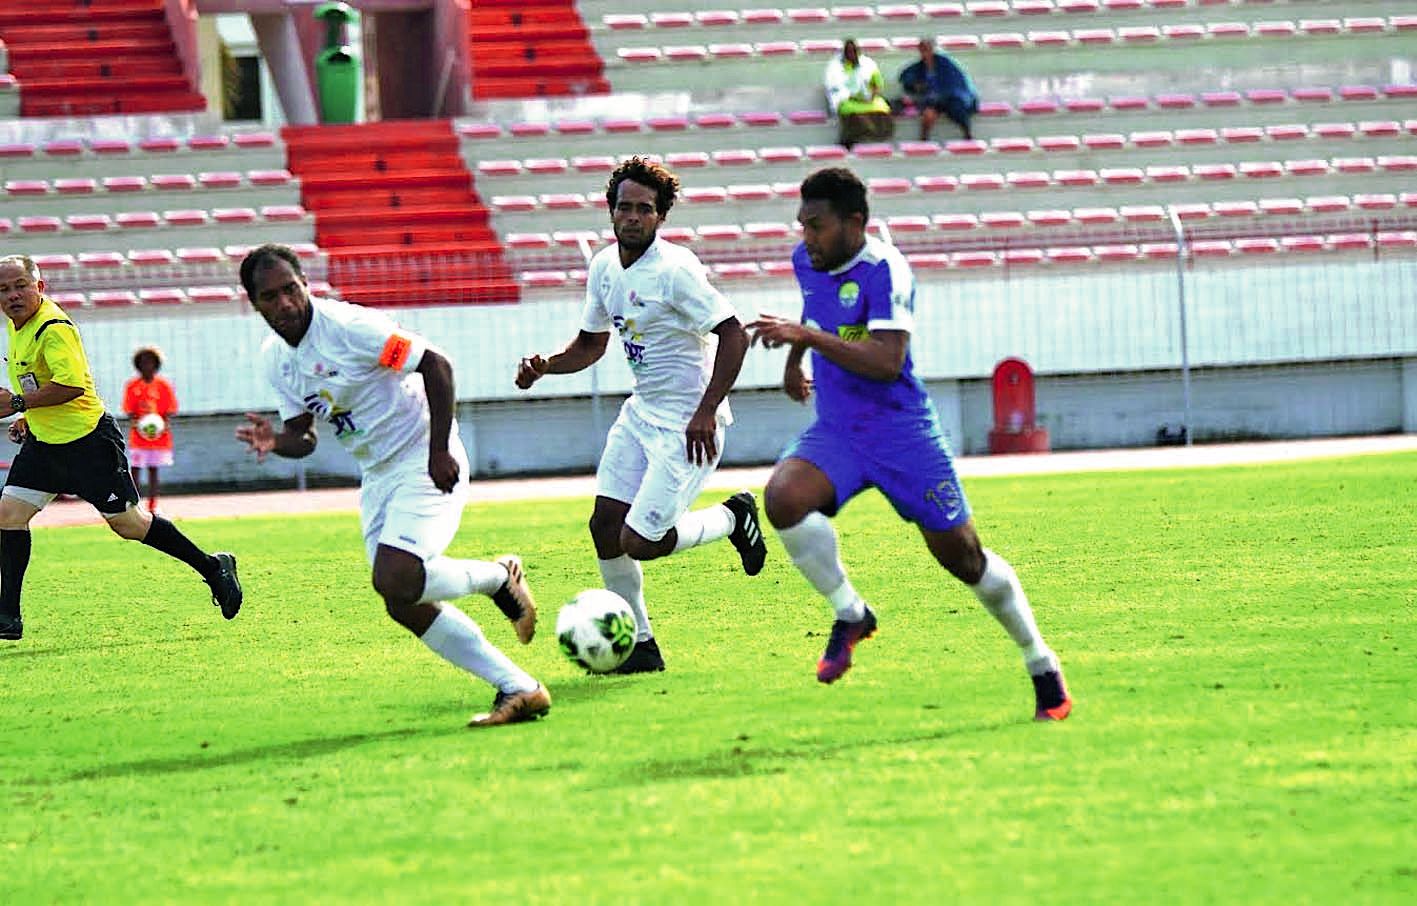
{"type": "Point", "coordinates": [48, 350]}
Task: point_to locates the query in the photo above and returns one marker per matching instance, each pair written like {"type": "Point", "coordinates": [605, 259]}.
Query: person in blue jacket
{"type": "Point", "coordinates": [938, 85]}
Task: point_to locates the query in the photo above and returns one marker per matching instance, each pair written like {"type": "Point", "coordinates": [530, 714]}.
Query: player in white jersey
{"type": "Point", "coordinates": [388, 397]}
{"type": "Point", "coordinates": [685, 345]}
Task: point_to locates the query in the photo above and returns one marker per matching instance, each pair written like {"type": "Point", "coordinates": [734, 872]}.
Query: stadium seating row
{"type": "Point", "coordinates": [74, 147]}
{"type": "Point", "coordinates": [1090, 38]}
{"type": "Point", "coordinates": [848, 17]}
{"type": "Point", "coordinates": [161, 296]}
{"type": "Point", "coordinates": [205, 257]}
{"type": "Point", "coordinates": [997, 181]}
{"type": "Point", "coordinates": [1032, 219]}
{"type": "Point", "coordinates": [1018, 147]}
{"type": "Point", "coordinates": [161, 182]}
{"type": "Point", "coordinates": [1041, 108]}
{"type": "Point", "coordinates": [1399, 241]}
{"type": "Point", "coordinates": [146, 220]}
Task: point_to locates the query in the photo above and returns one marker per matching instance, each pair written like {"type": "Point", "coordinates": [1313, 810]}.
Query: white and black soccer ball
{"type": "Point", "coordinates": [596, 630]}
{"type": "Point", "coordinates": [151, 426]}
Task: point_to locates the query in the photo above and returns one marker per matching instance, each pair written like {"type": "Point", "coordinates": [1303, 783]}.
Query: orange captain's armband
{"type": "Point", "coordinates": [395, 352]}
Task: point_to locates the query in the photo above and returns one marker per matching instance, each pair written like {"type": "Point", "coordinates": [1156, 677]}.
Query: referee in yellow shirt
{"type": "Point", "coordinates": [69, 445]}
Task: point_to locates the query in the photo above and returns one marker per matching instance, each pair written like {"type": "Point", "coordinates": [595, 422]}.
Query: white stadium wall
{"type": "Point", "coordinates": [1327, 349]}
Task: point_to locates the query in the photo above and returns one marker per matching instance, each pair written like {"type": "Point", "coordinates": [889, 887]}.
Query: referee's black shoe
{"type": "Point", "coordinates": [11, 630]}
{"type": "Point", "coordinates": [226, 588]}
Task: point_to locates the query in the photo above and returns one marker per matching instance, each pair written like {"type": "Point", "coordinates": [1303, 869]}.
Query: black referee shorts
{"type": "Point", "coordinates": [94, 467]}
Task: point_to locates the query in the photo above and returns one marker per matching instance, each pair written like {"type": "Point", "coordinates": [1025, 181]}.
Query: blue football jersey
{"type": "Point", "coordinates": [873, 291]}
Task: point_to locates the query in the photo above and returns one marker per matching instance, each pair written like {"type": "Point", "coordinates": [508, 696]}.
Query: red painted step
{"type": "Point", "coordinates": [163, 65]}
{"type": "Point", "coordinates": [396, 212]}
{"type": "Point", "coordinates": [95, 58]}
{"type": "Point", "coordinates": [503, 89]}
{"type": "Point", "coordinates": [532, 48]}
{"type": "Point", "coordinates": [88, 33]}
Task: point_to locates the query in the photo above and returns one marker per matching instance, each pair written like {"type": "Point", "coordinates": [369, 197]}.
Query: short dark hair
{"type": "Point", "coordinates": [649, 174]}
{"type": "Point", "coordinates": [261, 255]}
{"type": "Point", "coordinates": [148, 350]}
{"type": "Point", "coordinates": [841, 188]}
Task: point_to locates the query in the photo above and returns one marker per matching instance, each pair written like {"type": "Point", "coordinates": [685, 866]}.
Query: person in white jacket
{"type": "Point", "coordinates": [856, 94]}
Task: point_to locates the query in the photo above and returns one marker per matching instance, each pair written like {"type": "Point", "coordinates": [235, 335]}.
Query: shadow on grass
{"type": "Point", "coordinates": [55, 650]}
{"type": "Point", "coordinates": [742, 761]}
{"type": "Point", "coordinates": [566, 693]}
{"type": "Point", "coordinates": [189, 763]}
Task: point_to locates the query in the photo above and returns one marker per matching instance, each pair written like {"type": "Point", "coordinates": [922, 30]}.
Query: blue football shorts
{"type": "Point", "coordinates": [907, 462]}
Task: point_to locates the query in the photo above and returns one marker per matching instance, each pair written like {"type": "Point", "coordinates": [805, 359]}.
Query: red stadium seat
{"type": "Point", "coordinates": [110, 298]}
{"type": "Point", "coordinates": [125, 184]}
{"type": "Point", "coordinates": [138, 220]}
{"type": "Point", "coordinates": [168, 296]}
{"type": "Point", "coordinates": [222, 180]}
{"type": "Point", "coordinates": [89, 222]}
{"type": "Point", "coordinates": [214, 294]}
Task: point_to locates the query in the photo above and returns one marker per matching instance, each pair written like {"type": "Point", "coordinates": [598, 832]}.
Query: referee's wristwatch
{"type": "Point", "coordinates": [17, 403]}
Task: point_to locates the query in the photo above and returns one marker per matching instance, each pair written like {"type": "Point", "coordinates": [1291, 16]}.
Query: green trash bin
{"type": "Point", "coordinates": [337, 68]}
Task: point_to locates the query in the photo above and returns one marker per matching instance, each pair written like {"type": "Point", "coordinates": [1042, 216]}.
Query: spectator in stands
{"type": "Point", "coordinates": [937, 84]}
{"type": "Point", "coordinates": [149, 439]}
{"type": "Point", "coordinates": [856, 94]}
{"type": "Point", "coordinates": [69, 444]}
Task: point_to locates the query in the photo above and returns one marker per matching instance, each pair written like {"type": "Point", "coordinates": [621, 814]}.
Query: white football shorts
{"type": "Point", "coordinates": [400, 506]}
{"type": "Point", "coordinates": [647, 466]}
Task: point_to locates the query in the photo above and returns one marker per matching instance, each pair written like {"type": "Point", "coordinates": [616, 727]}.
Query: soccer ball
{"type": "Point", "coordinates": [596, 630]}
{"type": "Point", "coordinates": [151, 426]}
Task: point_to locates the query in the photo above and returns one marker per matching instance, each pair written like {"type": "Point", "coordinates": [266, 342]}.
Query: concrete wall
{"type": "Point", "coordinates": [565, 434]}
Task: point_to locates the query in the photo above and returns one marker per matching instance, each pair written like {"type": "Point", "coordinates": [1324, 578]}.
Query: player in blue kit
{"type": "Point", "coordinates": [876, 426]}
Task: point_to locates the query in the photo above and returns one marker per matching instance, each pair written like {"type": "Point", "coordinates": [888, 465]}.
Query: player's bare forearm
{"type": "Point", "coordinates": [50, 394]}
{"type": "Point", "coordinates": [295, 446]}
{"type": "Point", "coordinates": [732, 347]}
{"type": "Point", "coordinates": [794, 356]}
{"type": "Point", "coordinates": [879, 357]}
{"type": "Point", "coordinates": [437, 374]}
{"type": "Point", "coordinates": [297, 438]}
{"type": "Point", "coordinates": [581, 353]}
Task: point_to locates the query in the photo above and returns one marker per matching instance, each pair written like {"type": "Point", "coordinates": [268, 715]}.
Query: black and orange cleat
{"type": "Point", "coordinates": [1050, 693]}
{"type": "Point", "coordinates": [845, 634]}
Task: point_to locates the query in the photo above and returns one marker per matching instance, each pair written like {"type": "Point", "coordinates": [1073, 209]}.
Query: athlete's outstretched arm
{"type": "Point", "coordinates": [296, 439]}
{"type": "Point", "coordinates": [727, 362]}
{"type": "Point", "coordinates": [437, 374]}
{"type": "Point", "coordinates": [582, 352]}
{"type": "Point", "coordinates": [879, 357]}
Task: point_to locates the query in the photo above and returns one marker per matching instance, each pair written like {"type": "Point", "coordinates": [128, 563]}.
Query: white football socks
{"type": "Point", "coordinates": [623, 576]}
{"type": "Point", "coordinates": [811, 544]}
{"type": "Point", "coordinates": [1002, 595]}
{"type": "Point", "coordinates": [703, 526]}
{"type": "Point", "coordinates": [458, 640]}
{"type": "Point", "coordinates": [445, 578]}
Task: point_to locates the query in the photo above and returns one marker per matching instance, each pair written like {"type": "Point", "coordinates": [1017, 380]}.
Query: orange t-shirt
{"type": "Point", "coordinates": [141, 397]}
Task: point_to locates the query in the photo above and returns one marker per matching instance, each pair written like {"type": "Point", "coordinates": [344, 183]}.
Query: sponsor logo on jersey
{"type": "Point", "coordinates": [848, 293]}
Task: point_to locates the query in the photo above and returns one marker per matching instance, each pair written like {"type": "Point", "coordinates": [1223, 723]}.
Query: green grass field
{"type": "Point", "coordinates": [1242, 644]}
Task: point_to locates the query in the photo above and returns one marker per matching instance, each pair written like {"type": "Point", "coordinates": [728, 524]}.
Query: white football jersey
{"type": "Point", "coordinates": [665, 311]}
{"type": "Point", "coordinates": [354, 370]}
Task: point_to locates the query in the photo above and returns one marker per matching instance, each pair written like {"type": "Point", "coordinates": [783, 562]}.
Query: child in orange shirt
{"type": "Point", "coordinates": [149, 440]}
